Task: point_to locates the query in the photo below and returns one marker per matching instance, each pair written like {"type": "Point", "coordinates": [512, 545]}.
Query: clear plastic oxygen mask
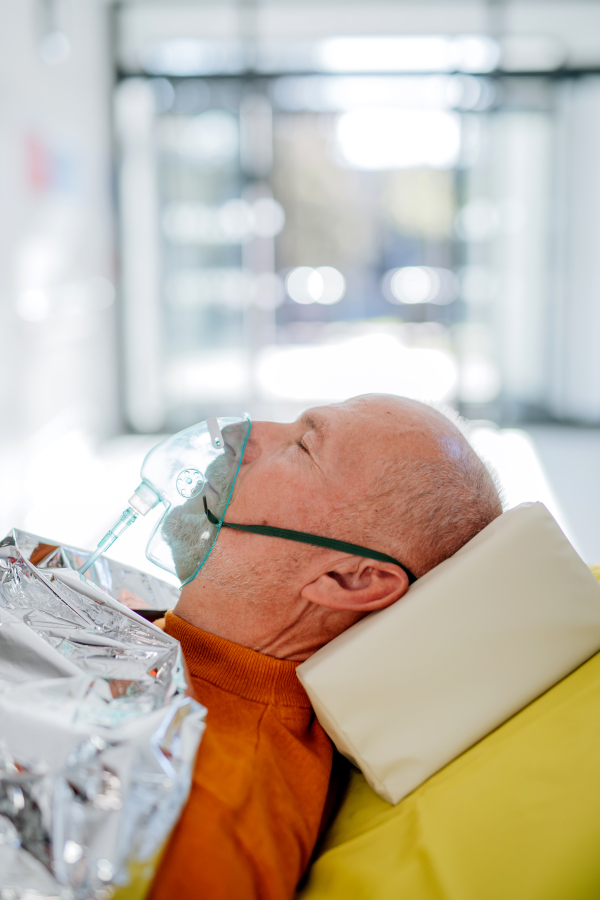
{"type": "Point", "coordinates": [190, 473]}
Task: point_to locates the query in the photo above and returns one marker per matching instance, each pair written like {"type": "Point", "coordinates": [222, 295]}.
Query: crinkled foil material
{"type": "Point", "coordinates": [97, 735]}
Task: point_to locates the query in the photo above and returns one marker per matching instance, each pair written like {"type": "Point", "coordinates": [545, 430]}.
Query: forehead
{"type": "Point", "coordinates": [358, 409]}
{"type": "Point", "coordinates": [329, 419]}
{"type": "Point", "coordinates": [376, 423]}
{"type": "Point", "coordinates": [352, 423]}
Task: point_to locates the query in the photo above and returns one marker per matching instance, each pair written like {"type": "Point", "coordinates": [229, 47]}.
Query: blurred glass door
{"type": "Point", "coordinates": [292, 240]}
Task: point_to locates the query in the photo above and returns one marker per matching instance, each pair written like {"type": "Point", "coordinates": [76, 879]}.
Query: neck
{"type": "Point", "coordinates": [291, 629]}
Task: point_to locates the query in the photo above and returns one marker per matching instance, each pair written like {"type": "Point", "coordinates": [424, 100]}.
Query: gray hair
{"type": "Point", "coordinates": [422, 510]}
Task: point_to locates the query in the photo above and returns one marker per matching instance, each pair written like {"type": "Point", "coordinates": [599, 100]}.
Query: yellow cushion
{"type": "Point", "coordinates": [516, 817]}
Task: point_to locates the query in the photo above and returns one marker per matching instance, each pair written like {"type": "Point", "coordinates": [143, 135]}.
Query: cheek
{"type": "Point", "coordinates": [264, 491]}
{"type": "Point", "coordinates": [257, 557]}
{"type": "Point", "coordinates": [246, 558]}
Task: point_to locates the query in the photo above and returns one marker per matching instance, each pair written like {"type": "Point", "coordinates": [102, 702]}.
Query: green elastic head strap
{"type": "Point", "coordinates": [314, 539]}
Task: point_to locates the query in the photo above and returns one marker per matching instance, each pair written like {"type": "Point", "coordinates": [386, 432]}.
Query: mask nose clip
{"type": "Point", "coordinates": [216, 437]}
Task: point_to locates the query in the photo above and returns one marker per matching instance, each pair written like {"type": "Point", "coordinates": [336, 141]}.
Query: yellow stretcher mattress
{"type": "Point", "coordinates": [516, 817]}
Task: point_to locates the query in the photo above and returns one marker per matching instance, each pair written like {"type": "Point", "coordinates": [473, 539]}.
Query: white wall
{"type": "Point", "coordinates": [523, 181]}
{"type": "Point", "coordinates": [575, 375]}
{"type": "Point", "coordinates": [57, 258]}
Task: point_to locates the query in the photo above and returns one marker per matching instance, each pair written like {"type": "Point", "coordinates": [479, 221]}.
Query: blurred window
{"type": "Point", "coordinates": [322, 235]}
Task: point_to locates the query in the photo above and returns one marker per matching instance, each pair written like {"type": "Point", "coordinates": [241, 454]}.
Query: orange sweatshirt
{"type": "Point", "coordinates": [260, 781]}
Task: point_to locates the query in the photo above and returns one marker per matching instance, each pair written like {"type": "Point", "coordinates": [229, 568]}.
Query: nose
{"type": "Point", "coordinates": [266, 437]}
{"type": "Point", "coordinates": [233, 438]}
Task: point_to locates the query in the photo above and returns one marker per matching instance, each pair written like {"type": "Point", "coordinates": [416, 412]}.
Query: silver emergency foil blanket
{"type": "Point", "coordinates": [97, 736]}
{"type": "Point", "coordinates": [128, 585]}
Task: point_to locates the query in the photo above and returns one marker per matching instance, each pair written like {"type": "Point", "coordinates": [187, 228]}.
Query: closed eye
{"type": "Point", "coordinates": [303, 446]}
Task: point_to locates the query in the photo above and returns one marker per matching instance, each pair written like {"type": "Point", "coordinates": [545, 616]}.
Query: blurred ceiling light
{"type": "Point", "coordinates": [33, 305]}
{"type": "Point", "coordinates": [414, 284]}
{"type": "Point", "coordinates": [386, 54]}
{"type": "Point", "coordinates": [182, 57]}
{"type": "Point", "coordinates": [420, 284]}
{"type": "Point", "coordinates": [334, 285]}
{"type": "Point", "coordinates": [189, 56]}
{"type": "Point", "coordinates": [55, 48]}
{"type": "Point", "coordinates": [476, 53]}
{"type": "Point", "coordinates": [371, 363]}
{"type": "Point", "coordinates": [399, 138]}
{"type": "Point", "coordinates": [303, 285]}
{"type": "Point", "coordinates": [427, 53]}
{"type": "Point", "coordinates": [323, 285]}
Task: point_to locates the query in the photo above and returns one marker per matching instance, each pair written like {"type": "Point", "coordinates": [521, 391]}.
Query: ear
{"type": "Point", "coordinates": [358, 584]}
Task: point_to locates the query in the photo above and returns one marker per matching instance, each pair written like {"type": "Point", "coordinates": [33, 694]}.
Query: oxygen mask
{"type": "Point", "coordinates": [193, 474]}
{"type": "Point", "coordinates": [190, 473]}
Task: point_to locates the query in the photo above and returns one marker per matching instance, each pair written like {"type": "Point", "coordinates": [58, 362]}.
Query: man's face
{"type": "Point", "coordinates": [291, 476]}
{"type": "Point", "coordinates": [307, 476]}
{"type": "Point", "coordinates": [295, 475]}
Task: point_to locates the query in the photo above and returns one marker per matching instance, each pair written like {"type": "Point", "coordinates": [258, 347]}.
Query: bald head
{"type": "Point", "coordinates": [430, 493]}
{"type": "Point", "coordinates": [378, 471]}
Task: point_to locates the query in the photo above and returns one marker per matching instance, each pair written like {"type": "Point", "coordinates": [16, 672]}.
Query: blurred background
{"type": "Point", "coordinates": [211, 206]}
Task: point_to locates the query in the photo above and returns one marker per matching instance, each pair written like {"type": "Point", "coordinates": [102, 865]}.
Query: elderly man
{"type": "Point", "coordinates": [390, 474]}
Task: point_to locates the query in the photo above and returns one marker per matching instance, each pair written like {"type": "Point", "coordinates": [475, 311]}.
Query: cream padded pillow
{"type": "Point", "coordinates": [409, 688]}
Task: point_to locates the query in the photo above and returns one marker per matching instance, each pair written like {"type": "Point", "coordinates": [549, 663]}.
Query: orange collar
{"type": "Point", "coordinates": [237, 669]}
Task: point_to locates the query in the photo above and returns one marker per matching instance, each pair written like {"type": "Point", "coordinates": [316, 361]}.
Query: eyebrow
{"type": "Point", "coordinates": [318, 425]}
